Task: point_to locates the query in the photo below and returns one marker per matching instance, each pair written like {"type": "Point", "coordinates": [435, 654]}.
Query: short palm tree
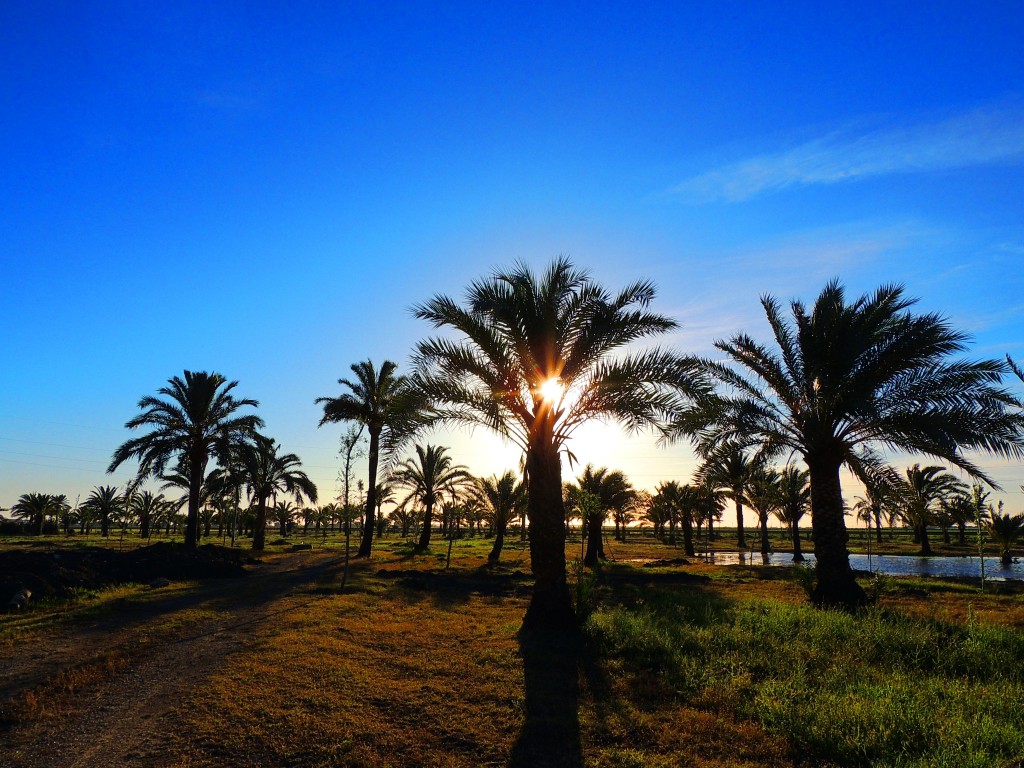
{"type": "Point", "coordinates": [390, 409]}
{"type": "Point", "coordinates": [611, 490]}
{"type": "Point", "coordinates": [503, 497]}
{"type": "Point", "coordinates": [535, 357]}
{"type": "Point", "coordinates": [922, 495]}
{"type": "Point", "coordinates": [1005, 530]}
{"type": "Point", "coordinates": [267, 473]}
{"type": "Point", "coordinates": [427, 477]}
{"type": "Point", "coordinates": [794, 501]}
{"type": "Point", "coordinates": [196, 419]}
{"type": "Point", "coordinates": [729, 468]}
{"type": "Point", "coordinates": [849, 377]}
{"type": "Point", "coordinates": [105, 502]}
{"type": "Point", "coordinates": [764, 493]}
{"type": "Point", "coordinates": [36, 507]}
{"type": "Point", "coordinates": [148, 507]}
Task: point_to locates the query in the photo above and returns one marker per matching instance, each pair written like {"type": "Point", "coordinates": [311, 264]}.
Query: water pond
{"type": "Point", "coordinates": [893, 565]}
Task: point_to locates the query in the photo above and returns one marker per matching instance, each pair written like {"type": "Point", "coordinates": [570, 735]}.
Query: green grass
{"type": "Point", "coordinates": [876, 689]}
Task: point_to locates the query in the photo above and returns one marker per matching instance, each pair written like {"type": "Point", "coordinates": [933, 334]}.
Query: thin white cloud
{"type": "Point", "coordinates": [981, 137]}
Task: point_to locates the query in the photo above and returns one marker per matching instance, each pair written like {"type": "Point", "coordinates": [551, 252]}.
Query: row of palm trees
{"type": "Point", "coordinates": [533, 356]}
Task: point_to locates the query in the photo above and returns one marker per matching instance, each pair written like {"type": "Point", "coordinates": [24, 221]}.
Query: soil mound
{"type": "Point", "coordinates": [60, 573]}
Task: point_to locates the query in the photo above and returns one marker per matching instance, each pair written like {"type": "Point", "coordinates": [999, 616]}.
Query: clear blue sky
{"type": "Point", "coordinates": [265, 191]}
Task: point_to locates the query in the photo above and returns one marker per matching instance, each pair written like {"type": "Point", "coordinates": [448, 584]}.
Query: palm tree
{"type": "Point", "coordinates": [36, 507]}
{"type": "Point", "coordinates": [503, 497]}
{"type": "Point", "coordinates": [764, 493]}
{"type": "Point", "coordinates": [267, 473]}
{"type": "Point", "coordinates": [197, 419]}
{"type": "Point", "coordinates": [848, 378]}
{"type": "Point", "coordinates": [428, 476]}
{"type": "Point", "coordinates": [383, 494]}
{"type": "Point", "coordinates": [795, 492]}
{"type": "Point", "coordinates": [611, 490]}
{"type": "Point", "coordinates": [1005, 530]}
{"type": "Point", "coordinates": [147, 507]}
{"type": "Point", "coordinates": [728, 469]}
{"type": "Point", "coordinates": [538, 356]}
{"type": "Point", "coordinates": [284, 513]}
{"type": "Point", "coordinates": [685, 503]}
{"type": "Point", "coordinates": [922, 494]}
{"type": "Point", "coordinates": [389, 407]}
{"type": "Point", "coordinates": [104, 502]}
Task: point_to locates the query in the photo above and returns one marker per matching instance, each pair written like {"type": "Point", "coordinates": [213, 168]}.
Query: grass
{"type": "Point", "coordinates": [695, 665]}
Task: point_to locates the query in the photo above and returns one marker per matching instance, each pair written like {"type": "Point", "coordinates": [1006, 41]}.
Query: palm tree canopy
{"type": "Point", "coordinates": [502, 496]}
{"type": "Point", "coordinates": [387, 404]}
{"type": "Point", "coordinates": [197, 416]}
{"type": "Point", "coordinates": [924, 490]}
{"type": "Point", "coordinates": [267, 472]}
{"type": "Point", "coordinates": [848, 376]}
{"type": "Point", "coordinates": [522, 330]}
{"type": "Point", "coordinates": [429, 475]}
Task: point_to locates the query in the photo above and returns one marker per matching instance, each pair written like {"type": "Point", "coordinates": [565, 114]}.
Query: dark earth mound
{"type": "Point", "coordinates": [62, 572]}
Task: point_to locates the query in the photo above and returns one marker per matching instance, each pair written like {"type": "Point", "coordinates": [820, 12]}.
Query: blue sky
{"type": "Point", "coordinates": [265, 191]}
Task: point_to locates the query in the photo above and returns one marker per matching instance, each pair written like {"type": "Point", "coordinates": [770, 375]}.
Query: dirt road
{"type": "Point", "coordinates": [123, 715]}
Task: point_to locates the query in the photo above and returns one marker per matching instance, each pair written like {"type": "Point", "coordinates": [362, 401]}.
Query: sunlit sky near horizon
{"type": "Point", "coordinates": [266, 191]}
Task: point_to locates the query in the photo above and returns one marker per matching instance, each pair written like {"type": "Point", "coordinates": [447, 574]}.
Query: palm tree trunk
{"type": "Point", "coordinates": [741, 540]}
{"type": "Point", "coordinates": [499, 541]}
{"type": "Point", "coordinates": [798, 555]}
{"type": "Point", "coordinates": [259, 531]}
{"type": "Point", "coordinates": [688, 535]}
{"type": "Point", "coordinates": [197, 471]}
{"type": "Point", "coordinates": [926, 545]}
{"type": "Point", "coordinates": [369, 523]}
{"type": "Point", "coordinates": [878, 526]}
{"type": "Point", "coordinates": [766, 546]}
{"type": "Point", "coordinates": [836, 585]}
{"type": "Point", "coordinates": [593, 541]}
{"type": "Point", "coordinates": [428, 519]}
{"type": "Point", "coordinates": [550, 607]}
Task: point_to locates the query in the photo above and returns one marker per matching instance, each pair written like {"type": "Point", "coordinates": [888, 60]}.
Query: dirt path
{"type": "Point", "coordinates": [125, 718]}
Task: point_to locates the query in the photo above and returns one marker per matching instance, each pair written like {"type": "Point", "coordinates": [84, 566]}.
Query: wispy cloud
{"type": "Point", "coordinates": [981, 137]}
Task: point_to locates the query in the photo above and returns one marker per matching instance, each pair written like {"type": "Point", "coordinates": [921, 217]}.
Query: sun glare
{"type": "Point", "coordinates": [552, 390]}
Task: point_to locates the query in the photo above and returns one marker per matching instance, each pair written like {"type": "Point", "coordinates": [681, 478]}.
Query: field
{"type": "Point", "coordinates": [417, 664]}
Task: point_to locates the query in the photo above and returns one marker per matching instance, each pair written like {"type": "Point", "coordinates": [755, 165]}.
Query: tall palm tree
{"type": "Point", "coordinates": [535, 357]}
{"type": "Point", "coordinates": [390, 409]}
{"type": "Point", "coordinates": [428, 477]}
{"type": "Point", "coordinates": [503, 497]}
{"type": "Point", "coordinates": [847, 378]}
{"type": "Point", "coordinates": [267, 473]}
{"type": "Point", "coordinates": [922, 495]}
{"type": "Point", "coordinates": [729, 468]}
{"type": "Point", "coordinates": [795, 500]}
{"type": "Point", "coordinates": [197, 419]}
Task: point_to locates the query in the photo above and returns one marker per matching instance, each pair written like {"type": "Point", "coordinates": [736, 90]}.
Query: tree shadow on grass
{"type": "Point", "coordinates": [550, 736]}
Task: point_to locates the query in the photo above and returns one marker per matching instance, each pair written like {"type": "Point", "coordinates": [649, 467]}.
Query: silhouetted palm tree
{"type": "Point", "coordinates": [390, 409]}
{"type": "Point", "coordinates": [148, 507]}
{"type": "Point", "coordinates": [1005, 530]}
{"type": "Point", "coordinates": [197, 420]}
{"type": "Point", "coordinates": [503, 496]}
{"type": "Point", "coordinates": [848, 377]}
{"type": "Point", "coordinates": [524, 340]}
{"type": "Point", "coordinates": [764, 492]}
{"type": "Point", "coordinates": [922, 494]}
{"type": "Point", "coordinates": [427, 477]}
{"type": "Point", "coordinates": [267, 473]}
{"type": "Point", "coordinates": [795, 500]}
{"type": "Point", "coordinates": [104, 502]}
{"type": "Point", "coordinates": [36, 507]}
{"type": "Point", "coordinates": [729, 468]}
{"type": "Point", "coordinates": [611, 490]}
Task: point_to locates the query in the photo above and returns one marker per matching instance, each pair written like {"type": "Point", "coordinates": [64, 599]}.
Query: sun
{"type": "Point", "coordinates": [552, 390]}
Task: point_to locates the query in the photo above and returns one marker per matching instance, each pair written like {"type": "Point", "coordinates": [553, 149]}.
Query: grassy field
{"type": "Point", "coordinates": [416, 664]}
